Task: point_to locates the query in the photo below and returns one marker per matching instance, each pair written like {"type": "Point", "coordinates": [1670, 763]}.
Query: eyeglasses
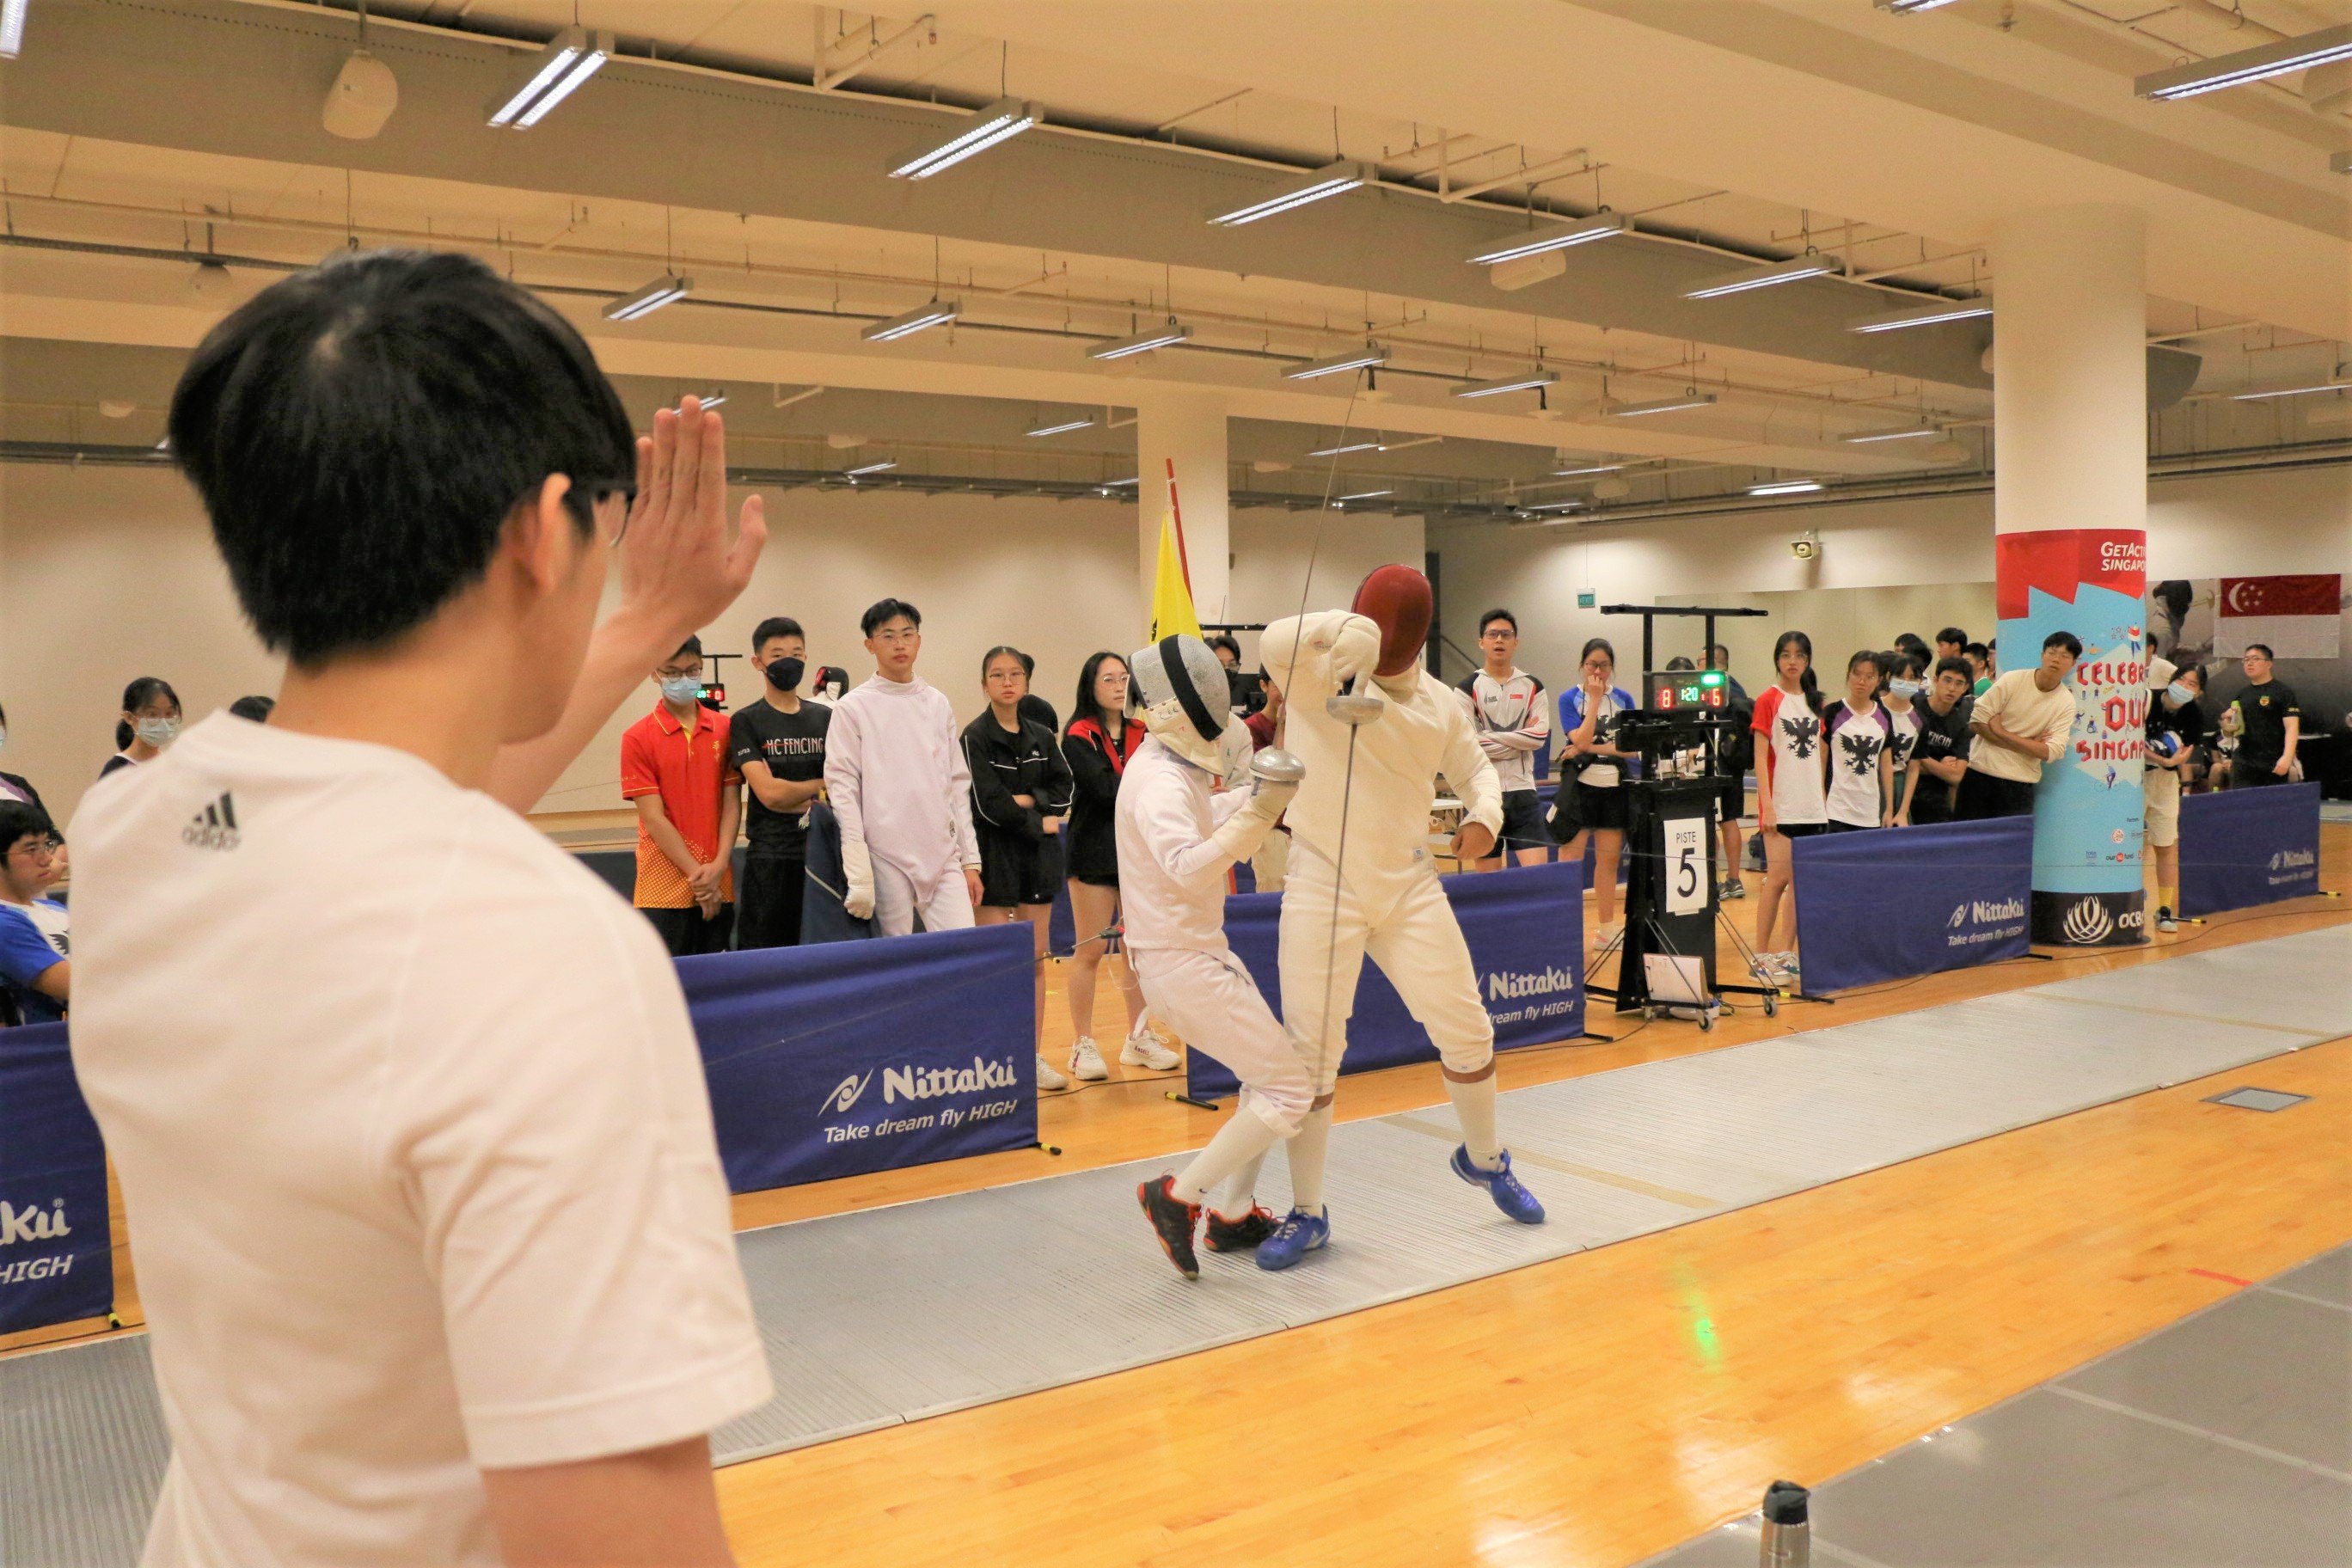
{"type": "Point", "coordinates": [39, 851]}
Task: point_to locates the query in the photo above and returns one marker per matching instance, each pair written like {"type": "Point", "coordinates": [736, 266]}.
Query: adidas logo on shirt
{"type": "Point", "coordinates": [215, 828]}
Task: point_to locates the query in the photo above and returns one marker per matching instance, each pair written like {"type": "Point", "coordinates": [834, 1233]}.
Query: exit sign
{"type": "Point", "coordinates": [1584, 600]}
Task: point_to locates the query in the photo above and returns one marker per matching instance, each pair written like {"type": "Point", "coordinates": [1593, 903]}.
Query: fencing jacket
{"type": "Point", "coordinates": [1171, 881]}
{"type": "Point", "coordinates": [1425, 731]}
{"type": "Point", "coordinates": [895, 772]}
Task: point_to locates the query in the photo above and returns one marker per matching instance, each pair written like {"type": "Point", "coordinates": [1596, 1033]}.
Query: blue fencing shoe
{"type": "Point", "coordinates": [1501, 1186]}
{"type": "Point", "coordinates": [1299, 1234]}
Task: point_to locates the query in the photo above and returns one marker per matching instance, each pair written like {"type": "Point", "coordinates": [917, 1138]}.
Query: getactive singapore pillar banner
{"type": "Point", "coordinates": [2088, 826]}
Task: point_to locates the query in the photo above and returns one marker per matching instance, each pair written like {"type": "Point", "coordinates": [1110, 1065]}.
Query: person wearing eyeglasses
{"type": "Point", "coordinates": [677, 769]}
{"type": "Point", "coordinates": [36, 964]}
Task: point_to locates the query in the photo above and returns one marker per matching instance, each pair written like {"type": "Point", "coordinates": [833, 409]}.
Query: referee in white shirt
{"type": "Point", "coordinates": [431, 1229]}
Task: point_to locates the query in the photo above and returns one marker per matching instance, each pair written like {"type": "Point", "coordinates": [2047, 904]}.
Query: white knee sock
{"type": "Point", "coordinates": [1239, 1195]}
{"type": "Point", "coordinates": [1307, 1152]}
{"type": "Point", "coordinates": [1474, 1107]}
{"type": "Point", "coordinates": [1242, 1142]}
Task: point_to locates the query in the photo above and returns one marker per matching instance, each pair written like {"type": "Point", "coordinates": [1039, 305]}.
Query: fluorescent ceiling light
{"type": "Point", "coordinates": [1001, 121]}
{"type": "Point", "coordinates": [1366, 358]}
{"type": "Point", "coordinates": [1133, 480]}
{"type": "Point", "coordinates": [1059, 426]}
{"type": "Point", "coordinates": [1911, 8]}
{"type": "Point", "coordinates": [931, 315]}
{"type": "Point", "coordinates": [1931, 316]}
{"type": "Point", "coordinates": [644, 302]}
{"type": "Point", "coordinates": [1786, 487]}
{"type": "Point", "coordinates": [1740, 282]}
{"type": "Point", "coordinates": [1140, 344]}
{"type": "Point", "coordinates": [1902, 433]}
{"type": "Point", "coordinates": [1661, 405]}
{"type": "Point", "coordinates": [1554, 506]}
{"type": "Point", "coordinates": [1526, 380]}
{"type": "Point", "coordinates": [2247, 65]}
{"type": "Point", "coordinates": [1596, 468]}
{"type": "Point", "coordinates": [12, 26]}
{"type": "Point", "coordinates": [570, 57]}
{"type": "Point", "coordinates": [1331, 180]}
{"type": "Point", "coordinates": [1368, 495]}
{"type": "Point", "coordinates": [2291, 391]}
{"type": "Point", "coordinates": [712, 399]}
{"type": "Point", "coordinates": [871, 469]}
{"type": "Point", "coordinates": [1342, 451]}
{"type": "Point", "coordinates": [1535, 244]}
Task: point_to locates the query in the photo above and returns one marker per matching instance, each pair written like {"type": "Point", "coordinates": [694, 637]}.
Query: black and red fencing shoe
{"type": "Point", "coordinates": [1238, 1235]}
{"type": "Point", "coordinates": [1173, 1221]}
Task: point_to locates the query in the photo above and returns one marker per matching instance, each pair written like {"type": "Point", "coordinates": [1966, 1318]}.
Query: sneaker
{"type": "Point", "coordinates": [2164, 921]}
{"type": "Point", "coordinates": [1237, 1234]}
{"type": "Point", "coordinates": [1603, 936]}
{"type": "Point", "coordinates": [1773, 967]}
{"type": "Point", "coordinates": [1173, 1221]}
{"type": "Point", "coordinates": [1144, 1049]}
{"type": "Point", "coordinates": [1501, 1186]}
{"type": "Point", "coordinates": [1086, 1062]}
{"type": "Point", "coordinates": [1733, 887]}
{"type": "Point", "coordinates": [1049, 1078]}
{"type": "Point", "coordinates": [1299, 1234]}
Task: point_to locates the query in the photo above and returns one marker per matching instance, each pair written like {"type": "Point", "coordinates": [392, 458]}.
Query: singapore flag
{"type": "Point", "coordinates": [2296, 617]}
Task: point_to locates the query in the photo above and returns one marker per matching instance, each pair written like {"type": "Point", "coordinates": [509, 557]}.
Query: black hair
{"type": "Point", "coordinates": [1959, 666]}
{"type": "Point", "coordinates": [20, 820]}
{"type": "Point", "coordinates": [1086, 707]}
{"type": "Point", "coordinates": [362, 431]}
{"type": "Point", "coordinates": [256, 708]}
{"type": "Point", "coordinates": [1910, 642]}
{"type": "Point", "coordinates": [137, 695]}
{"type": "Point", "coordinates": [1954, 636]}
{"type": "Point", "coordinates": [692, 644]}
{"type": "Point", "coordinates": [1878, 663]}
{"type": "Point", "coordinates": [2176, 594]}
{"type": "Point", "coordinates": [1028, 665]}
{"type": "Point", "coordinates": [1601, 643]}
{"type": "Point", "coordinates": [1809, 681]}
{"type": "Point", "coordinates": [882, 610]}
{"type": "Point", "coordinates": [1714, 649]}
{"type": "Point", "coordinates": [2070, 642]}
{"type": "Point", "coordinates": [2196, 670]}
{"type": "Point", "coordinates": [1491, 616]}
{"type": "Point", "coordinates": [1908, 664]}
{"type": "Point", "coordinates": [1976, 650]}
{"type": "Point", "coordinates": [776, 626]}
{"type": "Point", "coordinates": [1226, 641]}
{"type": "Point", "coordinates": [2260, 647]}
{"type": "Point", "coordinates": [1680, 662]}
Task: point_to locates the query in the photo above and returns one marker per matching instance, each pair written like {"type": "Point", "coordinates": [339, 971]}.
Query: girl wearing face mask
{"type": "Point", "coordinates": [1589, 714]}
{"type": "Point", "coordinates": [1021, 789]}
{"type": "Point", "coordinates": [1905, 684]}
{"type": "Point", "coordinates": [149, 721]}
{"type": "Point", "coordinates": [2175, 724]}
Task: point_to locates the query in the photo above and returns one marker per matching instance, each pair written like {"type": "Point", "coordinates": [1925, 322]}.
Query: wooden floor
{"type": "Point", "coordinates": [1605, 1406]}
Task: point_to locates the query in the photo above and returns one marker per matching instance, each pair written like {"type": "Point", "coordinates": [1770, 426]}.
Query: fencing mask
{"type": "Point", "coordinates": [1180, 687]}
{"type": "Point", "coordinates": [1396, 599]}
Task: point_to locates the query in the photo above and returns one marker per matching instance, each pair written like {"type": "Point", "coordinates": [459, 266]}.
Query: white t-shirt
{"type": "Point", "coordinates": [1856, 742]}
{"type": "Point", "coordinates": [1793, 763]}
{"type": "Point", "coordinates": [413, 1143]}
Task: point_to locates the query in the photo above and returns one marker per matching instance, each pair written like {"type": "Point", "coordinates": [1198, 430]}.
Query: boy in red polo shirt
{"type": "Point", "coordinates": [674, 764]}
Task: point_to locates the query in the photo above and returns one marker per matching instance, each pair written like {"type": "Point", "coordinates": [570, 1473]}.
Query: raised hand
{"type": "Point", "coordinates": [678, 567]}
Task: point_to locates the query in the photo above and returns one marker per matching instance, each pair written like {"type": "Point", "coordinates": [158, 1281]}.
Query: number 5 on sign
{"type": "Point", "coordinates": [1686, 865]}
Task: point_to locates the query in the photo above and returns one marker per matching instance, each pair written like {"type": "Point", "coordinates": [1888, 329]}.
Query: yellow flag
{"type": "Point", "coordinates": [1171, 595]}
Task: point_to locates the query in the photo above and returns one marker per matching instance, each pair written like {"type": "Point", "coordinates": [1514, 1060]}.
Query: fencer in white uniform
{"type": "Point", "coordinates": [1361, 881]}
{"type": "Point", "coordinates": [896, 775]}
{"type": "Point", "coordinates": [1177, 839]}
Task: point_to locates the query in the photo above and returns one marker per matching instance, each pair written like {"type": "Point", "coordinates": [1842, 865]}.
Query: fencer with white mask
{"type": "Point", "coordinates": [1373, 729]}
{"type": "Point", "coordinates": [1178, 835]}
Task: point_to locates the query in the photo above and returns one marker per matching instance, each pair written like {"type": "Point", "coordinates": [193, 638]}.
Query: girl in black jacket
{"type": "Point", "coordinates": [1100, 739]}
{"type": "Point", "coordinates": [1021, 789]}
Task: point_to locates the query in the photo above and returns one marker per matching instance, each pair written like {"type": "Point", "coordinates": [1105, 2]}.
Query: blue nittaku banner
{"type": "Point", "coordinates": [1525, 926]}
{"type": "Point", "coordinates": [1893, 902]}
{"type": "Point", "coordinates": [57, 1248]}
{"type": "Point", "coordinates": [853, 1057]}
{"type": "Point", "coordinates": [2247, 846]}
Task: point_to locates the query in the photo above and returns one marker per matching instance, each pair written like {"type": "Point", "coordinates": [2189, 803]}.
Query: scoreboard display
{"type": "Point", "coordinates": [1686, 691]}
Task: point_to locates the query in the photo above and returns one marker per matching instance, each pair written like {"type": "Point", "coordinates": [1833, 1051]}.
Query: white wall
{"type": "Point", "coordinates": [109, 574]}
{"type": "Point", "coordinates": [1937, 549]}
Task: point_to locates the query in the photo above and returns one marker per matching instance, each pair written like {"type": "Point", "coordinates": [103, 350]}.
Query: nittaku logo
{"type": "Point", "coordinates": [1981, 910]}
{"type": "Point", "coordinates": [847, 1093]}
{"type": "Point", "coordinates": [2088, 923]}
{"type": "Point", "coordinates": [931, 1083]}
{"type": "Point", "coordinates": [2292, 859]}
{"type": "Point", "coordinates": [1542, 983]}
{"type": "Point", "coordinates": [32, 1224]}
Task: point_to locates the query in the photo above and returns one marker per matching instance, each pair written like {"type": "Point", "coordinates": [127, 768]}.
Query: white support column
{"type": "Point", "coordinates": [2070, 518]}
{"type": "Point", "coordinates": [1190, 428]}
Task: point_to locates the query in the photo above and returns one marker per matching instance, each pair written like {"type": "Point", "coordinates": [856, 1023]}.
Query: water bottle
{"type": "Point", "coordinates": [1787, 1536]}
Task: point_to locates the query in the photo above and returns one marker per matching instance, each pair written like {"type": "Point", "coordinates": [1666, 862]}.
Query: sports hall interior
{"type": "Point", "coordinates": [1632, 418]}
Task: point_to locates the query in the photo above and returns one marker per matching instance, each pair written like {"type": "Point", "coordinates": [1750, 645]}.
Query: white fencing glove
{"type": "Point", "coordinates": [857, 880]}
{"type": "Point", "coordinates": [1275, 778]}
{"type": "Point", "coordinates": [1355, 648]}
